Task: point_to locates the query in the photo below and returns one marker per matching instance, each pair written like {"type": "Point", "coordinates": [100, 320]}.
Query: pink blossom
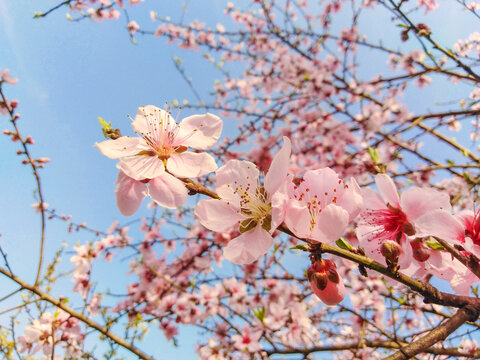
{"type": "Point", "coordinates": [321, 206]}
{"type": "Point", "coordinates": [248, 340]}
{"type": "Point", "coordinates": [39, 206]}
{"type": "Point", "coordinates": [386, 216]}
{"type": "Point", "coordinates": [5, 77]}
{"type": "Point", "coordinates": [163, 144]}
{"type": "Point", "coordinates": [133, 27]}
{"type": "Point", "coordinates": [258, 209]}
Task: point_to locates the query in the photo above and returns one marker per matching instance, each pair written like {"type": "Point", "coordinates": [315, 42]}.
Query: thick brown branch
{"type": "Point", "coordinates": [440, 333]}
{"type": "Point", "coordinates": [372, 344]}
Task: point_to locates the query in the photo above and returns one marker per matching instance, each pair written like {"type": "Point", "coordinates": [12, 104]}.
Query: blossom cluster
{"type": "Point", "coordinates": [318, 208]}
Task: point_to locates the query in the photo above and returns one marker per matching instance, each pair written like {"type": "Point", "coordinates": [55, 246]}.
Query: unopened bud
{"type": "Point", "coordinates": [420, 252]}
{"type": "Point", "coordinates": [391, 250]}
{"type": "Point", "coordinates": [29, 140]}
{"type": "Point", "coordinates": [6, 132]}
{"type": "Point", "coordinates": [14, 103]}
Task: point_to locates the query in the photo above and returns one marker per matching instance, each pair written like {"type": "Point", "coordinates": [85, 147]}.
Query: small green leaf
{"type": "Point", "coordinates": [373, 155]}
{"type": "Point", "coordinates": [260, 314]}
{"type": "Point", "coordinates": [105, 126]}
{"type": "Point", "coordinates": [343, 244]}
{"type": "Point", "coordinates": [475, 290]}
{"type": "Point", "coordinates": [434, 244]}
{"type": "Point", "coordinates": [301, 247]}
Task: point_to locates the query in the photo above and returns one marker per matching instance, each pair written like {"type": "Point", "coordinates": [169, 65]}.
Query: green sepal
{"type": "Point", "coordinates": [434, 244]}
{"type": "Point", "coordinates": [343, 244]}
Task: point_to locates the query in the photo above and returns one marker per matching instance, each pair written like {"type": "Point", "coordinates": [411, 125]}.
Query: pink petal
{"type": "Point", "coordinates": [406, 256]}
{"type": "Point", "coordinates": [217, 215]}
{"type": "Point", "coordinates": [200, 131]}
{"type": "Point", "coordinates": [442, 224]}
{"type": "Point", "coordinates": [331, 224]}
{"type": "Point", "coordinates": [416, 202]}
{"type": "Point", "coordinates": [324, 183]}
{"type": "Point", "coordinates": [142, 167]}
{"type": "Point", "coordinates": [279, 206]}
{"type": "Point", "coordinates": [190, 164]}
{"type": "Point", "coordinates": [388, 190]}
{"type": "Point", "coordinates": [461, 282]}
{"type": "Point", "coordinates": [371, 244]}
{"type": "Point", "coordinates": [121, 147]}
{"type": "Point", "coordinates": [372, 200]}
{"type": "Point", "coordinates": [129, 193]}
{"type": "Point", "coordinates": [248, 247]}
{"type": "Point", "coordinates": [150, 117]}
{"type": "Point", "coordinates": [279, 167]}
{"type": "Point", "coordinates": [352, 199]}
{"type": "Point", "coordinates": [297, 219]}
{"type": "Point", "coordinates": [167, 191]}
{"type": "Point", "coordinates": [236, 175]}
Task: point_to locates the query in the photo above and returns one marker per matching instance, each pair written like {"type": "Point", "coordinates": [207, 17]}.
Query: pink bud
{"type": "Point", "coordinates": [6, 132]}
{"type": "Point", "coordinates": [29, 140]}
{"type": "Point", "coordinates": [391, 250]}
{"type": "Point", "coordinates": [14, 103]}
{"type": "Point", "coordinates": [420, 252]}
{"type": "Point", "coordinates": [325, 282]}
{"type": "Point", "coordinates": [43, 160]}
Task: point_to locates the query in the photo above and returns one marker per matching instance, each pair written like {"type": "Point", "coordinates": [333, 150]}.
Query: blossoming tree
{"type": "Point", "coordinates": [348, 238]}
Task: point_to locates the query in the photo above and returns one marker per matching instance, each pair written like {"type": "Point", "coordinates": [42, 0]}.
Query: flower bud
{"type": "Point", "coordinates": [391, 250]}
{"type": "Point", "coordinates": [326, 282]}
{"type": "Point", "coordinates": [420, 252]}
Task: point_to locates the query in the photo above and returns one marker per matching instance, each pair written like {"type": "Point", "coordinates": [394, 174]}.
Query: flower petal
{"type": "Point", "coordinates": [200, 131]}
{"type": "Point", "coordinates": [190, 164]}
{"type": "Point", "coordinates": [297, 219]}
{"type": "Point", "coordinates": [352, 199]}
{"type": "Point", "coordinates": [149, 118]}
{"type": "Point", "coordinates": [279, 167]}
{"type": "Point", "coordinates": [129, 193]}
{"type": "Point", "coordinates": [330, 224]}
{"type": "Point", "coordinates": [442, 224]}
{"type": "Point", "coordinates": [217, 215]}
{"type": "Point", "coordinates": [142, 167]}
{"type": "Point", "coordinates": [388, 190]}
{"type": "Point", "coordinates": [121, 147]}
{"type": "Point", "coordinates": [236, 175]}
{"type": "Point", "coordinates": [417, 201]}
{"type": "Point", "coordinates": [167, 191]}
{"type": "Point", "coordinates": [324, 183]}
{"type": "Point", "coordinates": [248, 247]}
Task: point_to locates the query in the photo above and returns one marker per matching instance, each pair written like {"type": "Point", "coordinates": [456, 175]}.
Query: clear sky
{"type": "Point", "coordinates": [71, 73]}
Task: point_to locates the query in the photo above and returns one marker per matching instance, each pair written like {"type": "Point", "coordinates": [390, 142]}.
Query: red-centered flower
{"type": "Point", "coordinates": [389, 217]}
